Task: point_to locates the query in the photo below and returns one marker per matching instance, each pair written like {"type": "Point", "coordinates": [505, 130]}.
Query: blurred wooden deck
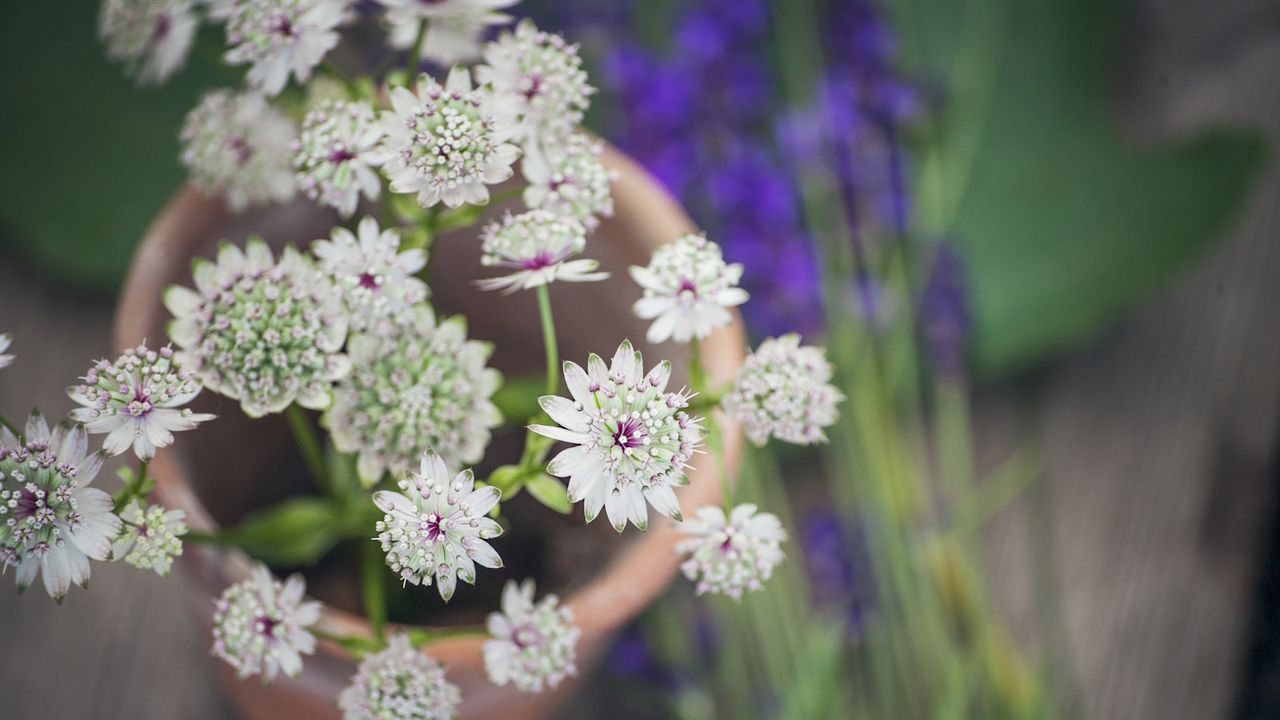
{"type": "Point", "coordinates": [1159, 439]}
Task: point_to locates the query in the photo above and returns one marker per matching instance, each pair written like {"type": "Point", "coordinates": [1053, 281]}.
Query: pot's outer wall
{"type": "Point", "coordinates": [589, 316]}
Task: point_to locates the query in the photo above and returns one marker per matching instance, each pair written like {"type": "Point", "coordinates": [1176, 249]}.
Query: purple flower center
{"type": "Point", "coordinates": [282, 26]}
{"type": "Point", "coordinates": [535, 86]}
{"type": "Point", "coordinates": [629, 434]}
{"type": "Point", "coordinates": [264, 625]}
{"type": "Point", "coordinates": [432, 528]}
{"type": "Point", "coordinates": [28, 503]}
{"type": "Point", "coordinates": [539, 261]}
{"type": "Point", "coordinates": [241, 149]}
{"type": "Point", "coordinates": [162, 27]}
{"type": "Point", "coordinates": [369, 281]}
{"type": "Point", "coordinates": [525, 636]}
{"type": "Point", "coordinates": [337, 157]}
{"type": "Point", "coordinates": [687, 288]}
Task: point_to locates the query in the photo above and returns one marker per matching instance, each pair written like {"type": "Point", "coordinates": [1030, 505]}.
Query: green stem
{"type": "Point", "coordinates": [415, 52]}
{"type": "Point", "coordinates": [341, 77]}
{"type": "Point", "coordinates": [309, 445]}
{"type": "Point", "coordinates": [372, 590]}
{"type": "Point", "coordinates": [137, 486]}
{"type": "Point", "coordinates": [549, 339]}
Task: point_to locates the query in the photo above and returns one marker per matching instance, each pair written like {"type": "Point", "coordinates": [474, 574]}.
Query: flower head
{"type": "Point", "coordinates": [734, 554]}
{"type": "Point", "coordinates": [279, 37]}
{"type": "Point", "coordinates": [454, 27]}
{"type": "Point", "coordinates": [533, 645]}
{"type": "Point", "coordinates": [784, 390]}
{"type": "Point", "coordinates": [376, 280]}
{"type": "Point", "coordinates": [632, 439]}
{"type": "Point", "coordinates": [152, 37]}
{"type": "Point", "coordinates": [238, 145]}
{"type": "Point", "coordinates": [260, 626]}
{"type": "Point", "coordinates": [399, 682]}
{"type": "Point", "coordinates": [335, 155]}
{"type": "Point", "coordinates": [538, 80]}
{"type": "Point", "coordinates": [5, 360]}
{"type": "Point", "coordinates": [152, 537]}
{"type": "Point", "coordinates": [437, 528]}
{"type": "Point", "coordinates": [445, 143]}
{"type": "Point", "coordinates": [688, 289]}
{"type": "Point", "coordinates": [537, 245]}
{"type": "Point", "coordinates": [138, 400]}
{"type": "Point", "coordinates": [51, 521]}
{"type": "Point", "coordinates": [261, 332]}
{"type": "Point", "coordinates": [416, 386]}
{"type": "Point", "coordinates": [570, 180]}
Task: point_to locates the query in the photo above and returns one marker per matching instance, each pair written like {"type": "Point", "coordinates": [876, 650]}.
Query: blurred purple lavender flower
{"type": "Point", "coordinates": [944, 313]}
{"type": "Point", "coordinates": [838, 562]}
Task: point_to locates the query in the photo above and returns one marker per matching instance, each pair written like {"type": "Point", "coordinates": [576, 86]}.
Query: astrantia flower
{"type": "Point", "coordinates": [570, 180]}
{"type": "Point", "coordinates": [437, 528]}
{"type": "Point", "coordinates": [260, 625]}
{"type": "Point", "coordinates": [261, 332]}
{"type": "Point", "coordinates": [536, 244]}
{"type": "Point", "coordinates": [533, 645]}
{"type": "Point", "coordinates": [137, 400]}
{"type": "Point", "coordinates": [784, 390]}
{"type": "Point", "coordinates": [152, 537]}
{"type": "Point", "coordinates": [152, 37]}
{"type": "Point", "coordinates": [51, 521]}
{"type": "Point", "coordinates": [444, 143]}
{"type": "Point", "coordinates": [731, 555]}
{"type": "Point", "coordinates": [415, 386]}
{"type": "Point", "coordinates": [239, 145]}
{"type": "Point", "coordinates": [335, 155]}
{"type": "Point", "coordinates": [5, 360]}
{"type": "Point", "coordinates": [688, 289]}
{"type": "Point", "coordinates": [454, 27]}
{"type": "Point", "coordinates": [538, 80]}
{"type": "Point", "coordinates": [633, 439]}
{"type": "Point", "coordinates": [402, 683]}
{"type": "Point", "coordinates": [279, 37]}
{"type": "Point", "coordinates": [376, 280]}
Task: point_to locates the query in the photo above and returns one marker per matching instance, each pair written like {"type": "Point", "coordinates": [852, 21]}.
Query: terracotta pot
{"type": "Point", "coordinates": [206, 472]}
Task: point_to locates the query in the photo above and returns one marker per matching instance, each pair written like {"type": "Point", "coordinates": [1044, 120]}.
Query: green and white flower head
{"type": "Point", "coordinates": [51, 521]}
{"type": "Point", "coordinates": [444, 143]}
{"type": "Point", "coordinates": [731, 555]}
{"type": "Point", "coordinates": [416, 386]}
{"type": "Point", "coordinates": [532, 646]}
{"type": "Point", "coordinates": [138, 400]}
{"type": "Point", "coordinates": [152, 537]}
{"type": "Point", "coordinates": [437, 528]}
{"type": "Point", "coordinates": [336, 154]}
{"type": "Point", "coordinates": [151, 37]}
{"type": "Point", "coordinates": [784, 390]}
{"type": "Point", "coordinates": [261, 332]}
{"type": "Point", "coordinates": [688, 290]}
{"type": "Point", "coordinates": [571, 180]}
{"type": "Point", "coordinates": [632, 439]}
{"type": "Point", "coordinates": [376, 280]}
{"type": "Point", "coordinates": [238, 145]}
{"type": "Point", "coordinates": [538, 246]}
{"type": "Point", "coordinates": [260, 625]}
{"type": "Point", "coordinates": [454, 27]}
{"type": "Point", "coordinates": [538, 80]}
{"type": "Point", "coordinates": [5, 360]}
{"type": "Point", "coordinates": [282, 37]}
{"type": "Point", "coordinates": [402, 683]}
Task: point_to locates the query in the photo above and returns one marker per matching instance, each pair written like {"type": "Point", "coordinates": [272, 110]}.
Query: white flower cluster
{"type": "Point", "coordinates": [376, 279]}
{"type": "Point", "coordinates": [238, 145]}
{"type": "Point", "coordinates": [260, 626]}
{"type": "Point", "coordinates": [632, 439]}
{"type": "Point", "coordinates": [336, 155]}
{"type": "Point", "coordinates": [734, 554]}
{"type": "Point", "coordinates": [572, 181]}
{"type": "Point", "coordinates": [784, 390]}
{"type": "Point", "coordinates": [454, 27]}
{"type": "Point", "coordinates": [538, 82]}
{"type": "Point", "coordinates": [536, 244]}
{"type": "Point", "coordinates": [532, 646]}
{"type": "Point", "coordinates": [688, 290]}
{"type": "Point", "coordinates": [399, 682]}
{"type": "Point", "coordinates": [151, 37]}
{"type": "Point", "coordinates": [152, 537]}
{"type": "Point", "coordinates": [277, 38]}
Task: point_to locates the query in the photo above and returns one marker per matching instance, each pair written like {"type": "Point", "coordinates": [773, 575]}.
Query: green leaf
{"type": "Point", "coordinates": [507, 478]}
{"type": "Point", "coordinates": [295, 532]}
{"type": "Point", "coordinates": [1062, 221]}
{"type": "Point", "coordinates": [550, 492]}
{"type": "Point", "coordinates": [517, 397]}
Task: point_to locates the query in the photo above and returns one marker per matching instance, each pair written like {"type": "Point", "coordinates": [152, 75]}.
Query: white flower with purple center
{"type": "Point", "coordinates": [532, 645]}
{"type": "Point", "coordinates": [261, 332]}
{"type": "Point", "coordinates": [51, 521]}
{"type": "Point", "coordinates": [538, 246]}
{"type": "Point", "coordinates": [238, 145]}
{"type": "Point", "coordinates": [632, 439]}
{"type": "Point", "coordinates": [282, 37]}
{"type": "Point", "coordinates": [335, 155]}
{"type": "Point", "coordinates": [437, 528]}
{"type": "Point", "coordinates": [454, 27]}
{"type": "Point", "coordinates": [5, 360]}
{"type": "Point", "coordinates": [784, 390]}
{"type": "Point", "coordinates": [138, 400]}
{"type": "Point", "coordinates": [260, 625]}
{"type": "Point", "coordinates": [399, 682]}
{"type": "Point", "coordinates": [731, 555]}
{"type": "Point", "coordinates": [151, 37]}
{"type": "Point", "coordinates": [688, 290]}
{"type": "Point", "coordinates": [377, 281]}
{"type": "Point", "coordinates": [572, 181]}
{"type": "Point", "coordinates": [444, 143]}
{"type": "Point", "coordinates": [152, 537]}
{"type": "Point", "coordinates": [415, 386]}
{"type": "Point", "coordinates": [538, 80]}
